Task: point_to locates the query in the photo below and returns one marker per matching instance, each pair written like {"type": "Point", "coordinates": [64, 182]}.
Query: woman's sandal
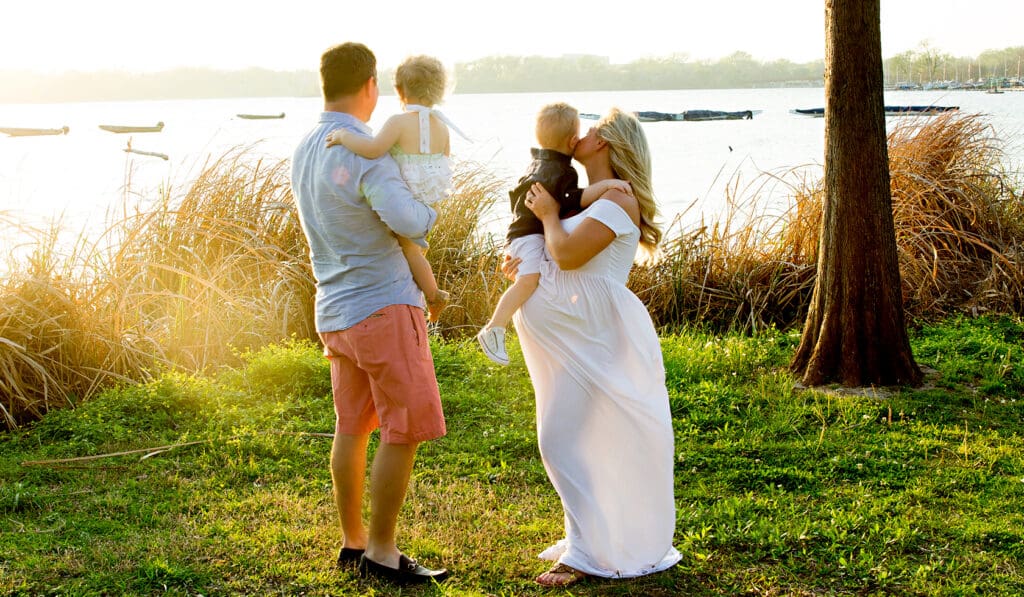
{"type": "Point", "coordinates": [437, 304]}
{"type": "Point", "coordinates": [560, 576]}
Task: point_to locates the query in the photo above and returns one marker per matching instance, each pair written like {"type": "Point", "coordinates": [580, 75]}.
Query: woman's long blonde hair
{"type": "Point", "coordinates": [631, 161]}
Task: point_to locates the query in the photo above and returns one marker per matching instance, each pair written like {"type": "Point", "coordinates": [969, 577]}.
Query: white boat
{"type": "Point", "coordinates": [31, 132]}
{"type": "Point", "coordinates": [118, 128]}
{"type": "Point", "coordinates": [688, 115]}
{"type": "Point", "coordinates": [260, 116]}
{"type": "Point", "coordinates": [130, 149]}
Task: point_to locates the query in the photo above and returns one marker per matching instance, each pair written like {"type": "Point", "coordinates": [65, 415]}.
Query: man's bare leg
{"type": "Point", "coordinates": [348, 471]}
{"type": "Point", "coordinates": [389, 480]}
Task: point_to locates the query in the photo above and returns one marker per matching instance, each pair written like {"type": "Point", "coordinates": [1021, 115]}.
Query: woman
{"type": "Point", "coordinates": [603, 421]}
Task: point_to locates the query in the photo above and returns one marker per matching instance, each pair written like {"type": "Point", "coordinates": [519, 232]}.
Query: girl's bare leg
{"type": "Point", "coordinates": [437, 299]}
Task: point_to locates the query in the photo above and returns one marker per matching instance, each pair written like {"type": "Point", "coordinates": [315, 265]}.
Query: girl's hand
{"type": "Point", "coordinates": [540, 202]}
{"type": "Point", "coordinates": [619, 185]}
{"type": "Point", "coordinates": [334, 137]}
{"type": "Point", "coordinates": [510, 266]}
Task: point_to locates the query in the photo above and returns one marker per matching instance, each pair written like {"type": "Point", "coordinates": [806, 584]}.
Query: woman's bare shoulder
{"type": "Point", "coordinates": [628, 203]}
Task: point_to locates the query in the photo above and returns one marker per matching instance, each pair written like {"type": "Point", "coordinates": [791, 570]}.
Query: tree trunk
{"type": "Point", "coordinates": [855, 332]}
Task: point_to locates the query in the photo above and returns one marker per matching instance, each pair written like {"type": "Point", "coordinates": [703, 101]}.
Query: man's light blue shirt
{"type": "Point", "coordinates": [350, 209]}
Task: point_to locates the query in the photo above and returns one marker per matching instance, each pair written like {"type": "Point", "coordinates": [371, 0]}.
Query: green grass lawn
{"type": "Point", "coordinates": [778, 491]}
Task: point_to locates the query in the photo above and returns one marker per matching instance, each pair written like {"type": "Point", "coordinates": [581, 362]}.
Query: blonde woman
{"type": "Point", "coordinates": [418, 140]}
{"type": "Point", "coordinates": [603, 421]}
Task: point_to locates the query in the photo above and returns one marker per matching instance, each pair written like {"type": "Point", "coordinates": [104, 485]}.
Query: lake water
{"type": "Point", "coordinates": [82, 175]}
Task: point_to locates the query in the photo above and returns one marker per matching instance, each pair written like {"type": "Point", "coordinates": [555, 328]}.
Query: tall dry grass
{"type": "Point", "coordinates": [219, 268]}
{"type": "Point", "coordinates": [465, 259]}
{"type": "Point", "coordinates": [183, 283]}
{"type": "Point", "coordinates": [221, 265]}
{"type": "Point", "coordinates": [751, 268]}
{"type": "Point", "coordinates": [959, 219]}
{"type": "Point", "coordinates": [193, 278]}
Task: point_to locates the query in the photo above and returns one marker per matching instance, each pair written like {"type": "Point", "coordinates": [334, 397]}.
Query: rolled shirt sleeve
{"type": "Point", "coordinates": [389, 196]}
{"type": "Point", "coordinates": [351, 210]}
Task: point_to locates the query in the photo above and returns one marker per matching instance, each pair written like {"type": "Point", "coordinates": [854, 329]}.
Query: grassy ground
{"type": "Point", "coordinates": [779, 491]}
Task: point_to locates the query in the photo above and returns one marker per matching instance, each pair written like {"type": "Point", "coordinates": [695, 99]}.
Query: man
{"type": "Point", "coordinates": [369, 314]}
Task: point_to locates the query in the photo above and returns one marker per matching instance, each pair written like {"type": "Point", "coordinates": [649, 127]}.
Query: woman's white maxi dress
{"type": "Point", "coordinates": [603, 420]}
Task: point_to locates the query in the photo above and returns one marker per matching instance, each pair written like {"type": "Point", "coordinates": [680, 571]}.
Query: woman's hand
{"type": "Point", "coordinates": [540, 202]}
{"type": "Point", "coordinates": [510, 266]}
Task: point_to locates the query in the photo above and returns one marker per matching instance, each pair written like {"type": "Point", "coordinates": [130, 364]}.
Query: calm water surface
{"type": "Point", "coordinates": [83, 175]}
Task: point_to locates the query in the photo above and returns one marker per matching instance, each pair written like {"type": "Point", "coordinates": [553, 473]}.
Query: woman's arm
{"type": "Point", "coordinates": [368, 147]}
{"type": "Point", "coordinates": [569, 251]}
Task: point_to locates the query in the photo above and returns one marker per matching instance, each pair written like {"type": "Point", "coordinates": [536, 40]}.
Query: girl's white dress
{"type": "Point", "coordinates": [429, 175]}
{"type": "Point", "coordinates": [603, 420]}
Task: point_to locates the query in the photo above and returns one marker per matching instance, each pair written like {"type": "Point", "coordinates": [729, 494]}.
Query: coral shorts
{"type": "Point", "coordinates": [382, 374]}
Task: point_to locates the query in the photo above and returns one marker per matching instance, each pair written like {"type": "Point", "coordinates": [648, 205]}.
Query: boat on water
{"type": "Point", "coordinates": [130, 149]}
{"type": "Point", "coordinates": [117, 128]}
{"type": "Point", "coordinates": [260, 116]}
{"type": "Point", "coordinates": [162, 156]}
{"type": "Point", "coordinates": [889, 110]}
{"type": "Point", "coordinates": [32, 132]}
{"type": "Point", "coordinates": [688, 115]}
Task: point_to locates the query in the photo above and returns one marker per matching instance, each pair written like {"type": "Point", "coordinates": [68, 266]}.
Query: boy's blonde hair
{"type": "Point", "coordinates": [422, 78]}
{"type": "Point", "coordinates": [556, 123]}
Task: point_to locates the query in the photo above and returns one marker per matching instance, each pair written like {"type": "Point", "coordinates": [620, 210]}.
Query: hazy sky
{"type": "Point", "coordinates": [146, 35]}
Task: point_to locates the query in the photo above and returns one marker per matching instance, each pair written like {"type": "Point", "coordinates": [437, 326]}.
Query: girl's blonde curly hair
{"type": "Point", "coordinates": [422, 78]}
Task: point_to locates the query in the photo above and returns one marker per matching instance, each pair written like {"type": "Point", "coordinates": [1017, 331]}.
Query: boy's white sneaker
{"type": "Point", "coordinates": [492, 341]}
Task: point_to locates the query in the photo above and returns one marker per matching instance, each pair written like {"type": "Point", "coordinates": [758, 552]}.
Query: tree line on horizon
{"type": "Point", "coordinates": [498, 74]}
{"type": "Point", "coordinates": [927, 63]}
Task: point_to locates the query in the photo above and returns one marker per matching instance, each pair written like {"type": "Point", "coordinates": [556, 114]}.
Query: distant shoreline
{"type": "Point", "coordinates": [515, 74]}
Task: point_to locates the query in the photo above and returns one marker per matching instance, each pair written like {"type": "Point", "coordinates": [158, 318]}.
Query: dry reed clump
{"type": "Point", "coordinates": [959, 229]}
{"type": "Point", "coordinates": [958, 219]}
{"type": "Point", "coordinates": [194, 278]}
{"type": "Point", "coordinates": [959, 226]}
{"type": "Point", "coordinates": [748, 270]}
{"type": "Point", "coordinates": [184, 284]}
{"type": "Point", "coordinates": [57, 347]}
{"type": "Point", "coordinates": [224, 267]}
{"type": "Point", "coordinates": [464, 258]}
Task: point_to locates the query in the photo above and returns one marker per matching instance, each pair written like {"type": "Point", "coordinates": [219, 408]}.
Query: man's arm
{"type": "Point", "coordinates": [389, 196]}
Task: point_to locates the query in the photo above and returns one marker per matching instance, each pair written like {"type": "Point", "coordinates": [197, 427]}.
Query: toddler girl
{"type": "Point", "coordinates": [418, 141]}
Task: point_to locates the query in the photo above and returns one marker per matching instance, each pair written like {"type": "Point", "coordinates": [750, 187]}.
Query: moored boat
{"type": "Point", "coordinates": [162, 156]}
{"type": "Point", "coordinates": [260, 116]}
{"type": "Point", "coordinates": [130, 149]}
{"type": "Point", "coordinates": [700, 115]}
{"type": "Point", "coordinates": [688, 115]}
{"type": "Point", "coordinates": [32, 132]}
{"type": "Point", "coordinates": [117, 128]}
{"type": "Point", "coordinates": [889, 110]}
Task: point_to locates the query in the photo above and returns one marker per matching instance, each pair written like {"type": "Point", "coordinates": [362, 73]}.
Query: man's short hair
{"type": "Point", "coordinates": [345, 68]}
